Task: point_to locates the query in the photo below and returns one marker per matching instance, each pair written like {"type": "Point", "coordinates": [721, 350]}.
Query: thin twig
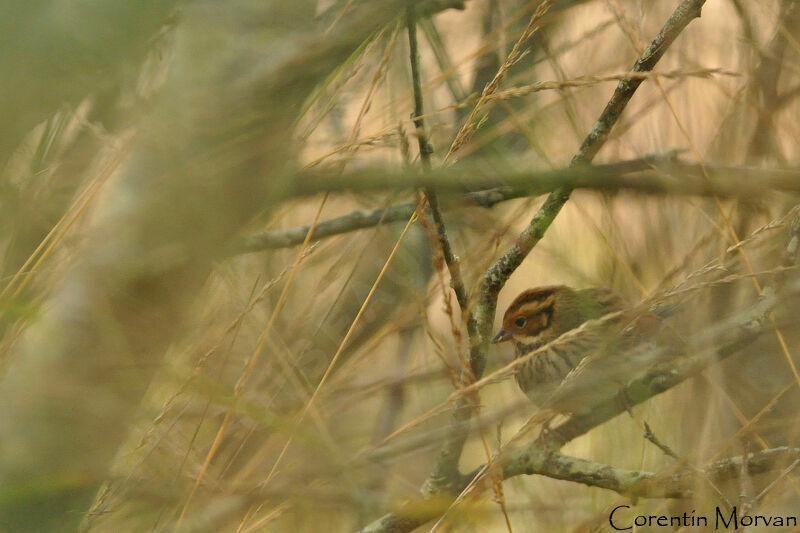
{"type": "Point", "coordinates": [649, 435]}
{"type": "Point", "coordinates": [425, 151]}
{"type": "Point", "coordinates": [588, 81]}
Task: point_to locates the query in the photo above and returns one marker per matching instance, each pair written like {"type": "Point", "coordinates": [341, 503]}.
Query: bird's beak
{"type": "Point", "coordinates": [502, 336]}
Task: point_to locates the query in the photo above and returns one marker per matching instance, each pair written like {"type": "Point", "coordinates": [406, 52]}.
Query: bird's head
{"type": "Point", "coordinates": [529, 315]}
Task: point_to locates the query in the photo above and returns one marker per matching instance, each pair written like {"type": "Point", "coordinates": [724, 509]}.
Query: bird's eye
{"type": "Point", "coordinates": [520, 322]}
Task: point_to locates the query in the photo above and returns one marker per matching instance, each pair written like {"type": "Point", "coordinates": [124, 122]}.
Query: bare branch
{"type": "Point", "coordinates": [678, 484]}
{"type": "Point", "coordinates": [670, 176]}
{"type": "Point", "coordinates": [654, 174]}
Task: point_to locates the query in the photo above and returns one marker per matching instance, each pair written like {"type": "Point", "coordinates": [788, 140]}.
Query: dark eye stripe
{"type": "Point", "coordinates": [548, 313]}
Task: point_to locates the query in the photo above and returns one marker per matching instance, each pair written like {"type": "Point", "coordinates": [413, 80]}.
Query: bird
{"type": "Point", "coordinates": [579, 345]}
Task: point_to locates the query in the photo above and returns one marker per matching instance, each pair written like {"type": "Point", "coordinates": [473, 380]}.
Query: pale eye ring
{"type": "Point", "coordinates": [520, 322]}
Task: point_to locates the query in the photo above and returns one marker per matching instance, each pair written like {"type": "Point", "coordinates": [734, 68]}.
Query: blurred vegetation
{"type": "Point", "coordinates": [156, 378]}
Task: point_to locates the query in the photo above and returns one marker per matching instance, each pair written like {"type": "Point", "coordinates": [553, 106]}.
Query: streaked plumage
{"type": "Point", "coordinates": [579, 345]}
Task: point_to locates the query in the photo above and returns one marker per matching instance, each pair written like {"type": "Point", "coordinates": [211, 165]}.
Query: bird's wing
{"type": "Point", "coordinates": [612, 350]}
{"type": "Point", "coordinates": [608, 300]}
